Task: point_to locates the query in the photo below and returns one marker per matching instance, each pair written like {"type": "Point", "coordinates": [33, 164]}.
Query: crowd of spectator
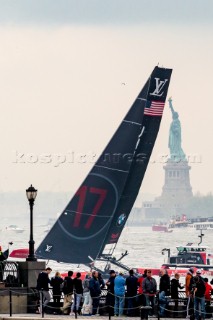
{"type": "Point", "coordinates": [125, 294]}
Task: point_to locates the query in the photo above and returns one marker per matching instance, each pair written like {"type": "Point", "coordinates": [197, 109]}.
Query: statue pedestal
{"type": "Point", "coordinates": [177, 181]}
{"type": "Point", "coordinates": [177, 189]}
{"type": "Point", "coordinates": [176, 192]}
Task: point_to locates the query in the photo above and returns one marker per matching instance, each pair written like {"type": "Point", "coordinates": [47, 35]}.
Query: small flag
{"type": "Point", "coordinates": [154, 108]}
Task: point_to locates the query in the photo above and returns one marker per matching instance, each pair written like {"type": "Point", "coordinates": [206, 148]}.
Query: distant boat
{"type": "Point", "coordinates": [14, 228]}
{"type": "Point", "coordinates": [161, 228]}
{"type": "Point", "coordinates": [19, 253]}
{"type": "Point", "coordinates": [179, 222]}
{"type": "Point", "coordinates": [208, 225]}
{"type": "Point", "coordinates": [190, 255]}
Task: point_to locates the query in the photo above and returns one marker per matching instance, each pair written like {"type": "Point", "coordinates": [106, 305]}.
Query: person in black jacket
{"type": "Point", "coordinates": [56, 283]}
{"type": "Point", "coordinates": [199, 289]}
{"type": "Point", "coordinates": [164, 290]}
{"type": "Point", "coordinates": [132, 288]}
{"type": "Point", "coordinates": [110, 292]}
{"type": "Point", "coordinates": [95, 291]}
{"type": "Point", "coordinates": [78, 287]}
{"type": "Point", "coordinates": [174, 291]}
{"type": "Point", "coordinates": [68, 293]}
{"type": "Point", "coordinates": [43, 287]}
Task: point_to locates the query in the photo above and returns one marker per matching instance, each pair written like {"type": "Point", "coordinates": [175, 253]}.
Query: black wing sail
{"type": "Point", "coordinates": [82, 229]}
{"type": "Point", "coordinates": [159, 83]}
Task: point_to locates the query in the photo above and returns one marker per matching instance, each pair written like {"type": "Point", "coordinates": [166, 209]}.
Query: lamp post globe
{"type": "Point", "coordinates": [31, 193]}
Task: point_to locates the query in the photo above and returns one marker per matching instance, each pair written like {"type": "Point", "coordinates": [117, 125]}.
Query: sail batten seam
{"type": "Point", "coordinates": [132, 122]}
{"type": "Point", "coordinates": [88, 214]}
{"type": "Point", "coordinates": [111, 168]}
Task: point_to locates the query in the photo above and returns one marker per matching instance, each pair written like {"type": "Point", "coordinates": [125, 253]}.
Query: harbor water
{"type": "Point", "coordinates": [144, 246]}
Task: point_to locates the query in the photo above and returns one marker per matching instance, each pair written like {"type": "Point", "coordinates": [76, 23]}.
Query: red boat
{"type": "Point", "coordinates": [19, 253]}
{"type": "Point", "coordinates": [160, 228]}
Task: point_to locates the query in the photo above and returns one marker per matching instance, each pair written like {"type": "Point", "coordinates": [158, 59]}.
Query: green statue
{"type": "Point", "coordinates": [176, 152]}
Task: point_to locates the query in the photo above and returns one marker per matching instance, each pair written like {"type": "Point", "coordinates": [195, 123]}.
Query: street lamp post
{"type": "Point", "coordinates": [31, 193]}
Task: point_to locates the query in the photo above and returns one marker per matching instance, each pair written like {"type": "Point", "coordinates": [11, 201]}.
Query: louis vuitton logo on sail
{"type": "Point", "coordinates": [159, 87]}
{"type": "Point", "coordinates": [48, 248]}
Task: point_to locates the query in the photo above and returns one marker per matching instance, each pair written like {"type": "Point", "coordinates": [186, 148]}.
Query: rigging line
{"type": "Point", "coordinates": [111, 168]}
{"type": "Point", "coordinates": [113, 249]}
{"type": "Point", "coordinates": [86, 214]}
{"type": "Point", "coordinates": [110, 249]}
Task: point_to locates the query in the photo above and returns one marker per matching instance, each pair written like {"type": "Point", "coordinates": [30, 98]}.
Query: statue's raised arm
{"type": "Point", "coordinates": [170, 105]}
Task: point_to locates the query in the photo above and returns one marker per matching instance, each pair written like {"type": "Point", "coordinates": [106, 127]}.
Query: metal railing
{"type": "Point", "coordinates": [28, 299]}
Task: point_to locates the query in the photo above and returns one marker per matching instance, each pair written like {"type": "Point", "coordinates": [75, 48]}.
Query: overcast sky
{"type": "Point", "coordinates": [62, 65]}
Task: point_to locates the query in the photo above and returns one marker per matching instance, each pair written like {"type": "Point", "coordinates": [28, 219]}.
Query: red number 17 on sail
{"type": "Point", "coordinates": [82, 191]}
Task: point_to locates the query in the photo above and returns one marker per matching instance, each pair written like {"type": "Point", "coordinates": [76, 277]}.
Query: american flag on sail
{"type": "Point", "coordinates": [154, 108]}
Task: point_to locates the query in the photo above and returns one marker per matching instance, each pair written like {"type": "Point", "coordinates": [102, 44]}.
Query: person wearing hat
{"type": "Point", "coordinates": [119, 289]}
{"type": "Point", "coordinates": [189, 277]}
{"type": "Point", "coordinates": [110, 292]}
{"type": "Point", "coordinates": [198, 272]}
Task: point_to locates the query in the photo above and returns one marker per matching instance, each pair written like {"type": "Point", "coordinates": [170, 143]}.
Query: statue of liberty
{"type": "Point", "coordinates": [176, 152]}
